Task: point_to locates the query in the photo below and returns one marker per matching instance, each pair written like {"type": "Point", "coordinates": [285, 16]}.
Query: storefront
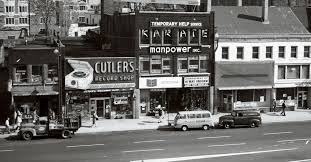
{"type": "Point", "coordinates": [244, 85]}
{"type": "Point", "coordinates": [104, 85]}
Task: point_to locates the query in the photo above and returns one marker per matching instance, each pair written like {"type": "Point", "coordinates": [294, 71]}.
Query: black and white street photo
{"type": "Point", "coordinates": [155, 80]}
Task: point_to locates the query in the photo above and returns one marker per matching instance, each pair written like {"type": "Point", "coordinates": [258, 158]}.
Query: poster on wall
{"type": "Point", "coordinates": [262, 98]}
{"type": "Point", "coordinates": [100, 73]}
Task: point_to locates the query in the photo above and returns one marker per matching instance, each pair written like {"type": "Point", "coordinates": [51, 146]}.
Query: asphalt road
{"type": "Point", "coordinates": [283, 142]}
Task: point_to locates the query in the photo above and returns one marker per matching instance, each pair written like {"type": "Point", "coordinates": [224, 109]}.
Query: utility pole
{"type": "Point", "coordinates": [102, 15]}
{"type": "Point", "coordinates": [29, 17]}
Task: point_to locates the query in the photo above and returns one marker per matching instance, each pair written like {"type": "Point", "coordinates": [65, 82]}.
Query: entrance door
{"type": "Point", "coordinates": [100, 108]}
{"type": "Point", "coordinates": [107, 108]}
{"type": "Point", "coordinates": [302, 99]}
{"type": "Point", "coordinates": [228, 102]}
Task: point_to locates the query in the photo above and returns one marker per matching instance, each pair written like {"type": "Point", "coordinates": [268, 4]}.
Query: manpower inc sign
{"type": "Point", "coordinates": [174, 50]}
{"type": "Point", "coordinates": [101, 73]}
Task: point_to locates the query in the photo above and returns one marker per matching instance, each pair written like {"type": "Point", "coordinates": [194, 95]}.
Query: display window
{"type": "Point", "coordinates": [285, 93]}
{"type": "Point", "coordinates": [251, 95]}
{"type": "Point", "coordinates": [36, 75]}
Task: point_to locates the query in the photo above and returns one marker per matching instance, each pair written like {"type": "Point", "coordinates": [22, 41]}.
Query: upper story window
{"type": "Point", "coordinates": [21, 74]}
{"type": "Point", "coordinates": [155, 64]}
{"type": "Point", "coordinates": [82, 19]}
{"type": "Point", "coordinates": [293, 52]}
{"type": "Point", "coordinates": [293, 72]}
{"type": "Point", "coordinates": [52, 73]}
{"type": "Point", "coordinates": [9, 8]}
{"type": "Point", "coordinates": [255, 52]}
{"type": "Point", "coordinates": [225, 52]}
{"type": "Point", "coordinates": [23, 9]}
{"type": "Point", "coordinates": [240, 52]}
{"type": "Point", "coordinates": [23, 20]}
{"type": "Point", "coordinates": [282, 52]}
{"type": "Point", "coordinates": [82, 8]}
{"type": "Point", "coordinates": [36, 76]}
{"type": "Point", "coordinates": [183, 36]}
{"type": "Point", "coordinates": [192, 64]}
{"type": "Point", "coordinates": [281, 72]}
{"type": "Point", "coordinates": [9, 20]}
{"type": "Point", "coordinates": [269, 52]}
{"type": "Point", "coordinates": [42, 20]}
{"type": "Point", "coordinates": [156, 36]}
{"type": "Point", "coordinates": [306, 52]}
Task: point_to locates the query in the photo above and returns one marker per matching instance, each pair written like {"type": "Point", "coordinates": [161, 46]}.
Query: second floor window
{"type": "Point", "coordinates": [282, 52]}
{"type": "Point", "coordinates": [23, 8]}
{"type": "Point", "coordinates": [306, 52]}
{"type": "Point", "coordinates": [155, 64]}
{"type": "Point", "coordinates": [192, 64]}
{"type": "Point", "coordinates": [240, 52]}
{"type": "Point", "coordinates": [225, 53]}
{"type": "Point", "coordinates": [52, 73]}
{"type": "Point", "coordinates": [21, 74]}
{"type": "Point", "coordinates": [255, 52]}
{"type": "Point", "coordinates": [269, 52]}
{"type": "Point", "coordinates": [82, 19]}
{"type": "Point", "coordinates": [23, 20]}
{"type": "Point", "coordinates": [293, 52]}
{"type": "Point", "coordinates": [36, 75]}
{"type": "Point", "coordinates": [9, 21]}
{"type": "Point", "coordinates": [82, 8]}
{"type": "Point", "coordinates": [9, 8]}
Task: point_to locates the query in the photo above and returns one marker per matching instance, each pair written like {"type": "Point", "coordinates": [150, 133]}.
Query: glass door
{"type": "Point", "coordinates": [107, 108]}
{"type": "Point", "coordinates": [228, 102]}
{"type": "Point", "coordinates": [100, 108]}
{"type": "Point", "coordinates": [302, 99]}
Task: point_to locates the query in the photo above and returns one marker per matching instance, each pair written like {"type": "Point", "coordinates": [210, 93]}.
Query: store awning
{"type": "Point", "coordinates": [244, 75]}
{"type": "Point", "coordinates": [34, 93]}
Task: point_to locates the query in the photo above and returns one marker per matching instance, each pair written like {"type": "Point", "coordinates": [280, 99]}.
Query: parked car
{"type": "Point", "coordinates": [193, 119]}
{"type": "Point", "coordinates": [239, 118]}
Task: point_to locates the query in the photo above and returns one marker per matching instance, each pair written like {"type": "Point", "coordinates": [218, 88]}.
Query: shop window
{"type": "Point", "coordinates": [193, 64]}
{"type": "Point", "coordinates": [166, 65]}
{"type": "Point", "coordinates": [21, 74]}
{"type": "Point", "coordinates": [156, 36]}
{"type": "Point", "coordinates": [194, 36]}
{"type": "Point", "coordinates": [182, 65]}
{"type": "Point", "coordinates": [240, 52]}
{"type": "Point", "coordinates": [156, 64]}
{"type": "Point", "coordinates": [305, 71]}
{"type": "Point", "coordinates": [285, 93]}
{"type": "Point", "coordinates": [225, 52]}
{"type": "Point", "coordinates": [36, 74]}
{"type": "Point", "coordinates": [204, 37]}
{"type": "Point", "coordinates": [183, 36]}
{"type": "Point", "coordinates": [203, 64]}
{"type": "Point", "coordinates": [245, 95]}
{"type": "Point", "coordinates": [306, 51]}
{"type": "Point", "coordinates": [293, 72]}
{"type": "Point", "coordinates": [52, 73]}
{"type": "Point", "coordinates": [255, 52]}
{"type": "Point", "coordinates": [281, 72]}
{"type": "Point", "coordinates": [282, 52]}
{"type": "Point", "coordinates": [144, 64]}
{"type": "Point", "coordinates": [168, 36]}
{"type": "Point", "coordinates": [293, 52]}
{"type": "Point", "coordinates": [269, 52]}
{"type": "Point", "coordinates": [144, 36]}
{"type": "Point", "coordinates": [260, 95]}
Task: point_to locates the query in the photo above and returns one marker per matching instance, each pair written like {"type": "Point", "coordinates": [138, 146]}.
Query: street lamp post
{"type": "Point", "coordinates": [59, 72]}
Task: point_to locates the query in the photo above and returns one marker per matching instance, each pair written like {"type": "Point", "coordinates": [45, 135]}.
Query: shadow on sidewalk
{"type": "Point", "coordinates": [273, 113]}
{"type": "Point", "coordinates": [166, 128]}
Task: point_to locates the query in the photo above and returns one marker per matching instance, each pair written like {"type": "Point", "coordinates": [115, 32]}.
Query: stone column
{"type": "Point", "coordinates": [29, 73]}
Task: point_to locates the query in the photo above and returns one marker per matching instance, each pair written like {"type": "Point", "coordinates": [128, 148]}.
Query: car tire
{"type": "Point", "coordinates": [27, 135]}
{"type": "Point", "coordinates": [253, 124]}
{"type": "Point", "coordinates": [227, 125]}
{"type": "Point", "coordinates": [184, 128]}
{"type": "Point", "coordinates": [66, 134]}
{"type": "Point", "coordinates": [205, 127]}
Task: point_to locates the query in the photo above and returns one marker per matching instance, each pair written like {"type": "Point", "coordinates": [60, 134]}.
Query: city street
{"type": "Point", "coordinates": [272, 142]}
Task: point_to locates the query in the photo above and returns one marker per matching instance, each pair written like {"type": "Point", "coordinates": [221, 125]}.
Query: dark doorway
{"type": "Point", "coordinates": [44, 106]}
{"type": "Point", "coordinates": [174, 100]}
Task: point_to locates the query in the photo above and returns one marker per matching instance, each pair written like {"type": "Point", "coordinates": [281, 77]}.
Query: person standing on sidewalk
{"type": "Point", "coordinates": [7, 125]}
{"type": "Point", "coordinates": [18, 122]}
{"type": "Point", "coordinates": [274, 105]}
{"type": "Point", "coordinates": [283, 109]}
{"type": "Point", "coordinates": [94, 118]}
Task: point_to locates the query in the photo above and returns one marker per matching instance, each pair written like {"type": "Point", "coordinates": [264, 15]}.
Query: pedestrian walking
{"type": "Point", "coordinates": [283, 109]}
{"type": "Point", "coordinates": [18, 122]}
{"type": "Point", "coordinates": [274, 105]}
{"type": "Point", "coordinates": [7, 125]}
{"type": "Point", "coordinates": [94, 118]}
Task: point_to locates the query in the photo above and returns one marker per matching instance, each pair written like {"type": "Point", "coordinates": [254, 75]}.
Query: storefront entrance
{"type": "Point", "coordinates": [302, 99]}
{"type": "Point", "coordinates": [228, 102]}
{"type": "Point", "coordinates": [102, 106]}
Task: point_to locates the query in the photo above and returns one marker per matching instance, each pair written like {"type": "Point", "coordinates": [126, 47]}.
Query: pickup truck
{"type": "Point", "coordinates": [239, 118]}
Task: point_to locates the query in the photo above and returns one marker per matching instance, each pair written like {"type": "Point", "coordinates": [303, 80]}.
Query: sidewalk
{"type": "Point", "coordinates": [149, 122]}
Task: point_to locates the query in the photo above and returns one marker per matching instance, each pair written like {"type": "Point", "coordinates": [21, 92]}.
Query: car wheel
{"type": "Point", "coordinates": [253, 125]}
{"type": "Point", "coordinates": [66, 134]}
{"type": "Point", "coordinates": [205, 127]}
{"type": "Point", "coordinates": [226, 125]}
{"type": "Point", "coordinates": [184, 128]}
{"type": "Point", "coordinates": [27, 135]}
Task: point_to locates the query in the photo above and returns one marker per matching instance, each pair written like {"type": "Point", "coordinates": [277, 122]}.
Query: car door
{"type": "Point", "coordinates": [240, 119]}
{"type": "Point", "coordinates": [41, 127]}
